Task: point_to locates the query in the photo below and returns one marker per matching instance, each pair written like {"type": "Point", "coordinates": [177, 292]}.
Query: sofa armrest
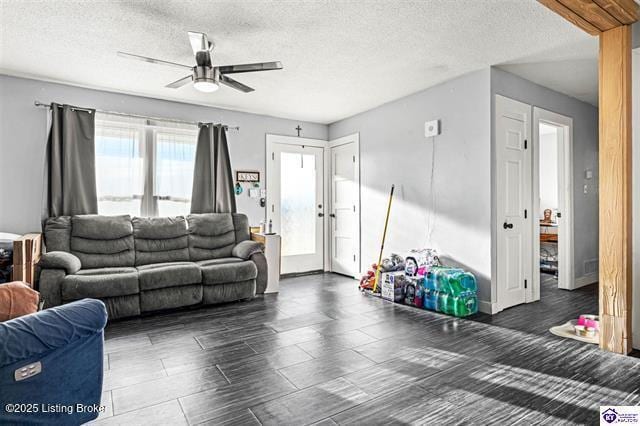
{"type": "Point", "coordinates": [36, 334]}
{"type": "Point", "coordinates": [60, 260]}
{"type": "Point", "coordinates": [245, 249]}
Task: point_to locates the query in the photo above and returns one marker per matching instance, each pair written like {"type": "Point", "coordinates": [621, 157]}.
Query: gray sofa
{"type": "Point", "coordinates": [137, 265]}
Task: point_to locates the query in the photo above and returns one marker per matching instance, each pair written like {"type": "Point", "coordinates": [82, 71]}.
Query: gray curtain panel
{"type": "Point", "coordinates": [71, 162]}
{"type": "Point", "coordinates": [212, 177]}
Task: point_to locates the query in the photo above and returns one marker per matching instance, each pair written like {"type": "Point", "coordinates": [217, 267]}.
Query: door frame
{"type": "Point", "coordinates": [270, 140]}
{"type": "Point", "coordinates": [566, 272]}
{"type": "Point", "coordinates": [353, 138]}
{"type": "Point", "coordinates": [497, 306]}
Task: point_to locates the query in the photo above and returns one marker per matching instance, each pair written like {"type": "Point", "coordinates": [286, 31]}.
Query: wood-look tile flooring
{"type": "Point", "coordinates": [555, 307]}
{"type": "Point", "coordinates": [321, 352]}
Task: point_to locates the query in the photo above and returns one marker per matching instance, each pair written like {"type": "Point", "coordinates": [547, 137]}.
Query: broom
{"type": "Point", "coordinates": [384, 236]}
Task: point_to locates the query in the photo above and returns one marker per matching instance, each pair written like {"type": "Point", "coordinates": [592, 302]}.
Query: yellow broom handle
{"type": "Point", "coordinates": [384, 236]}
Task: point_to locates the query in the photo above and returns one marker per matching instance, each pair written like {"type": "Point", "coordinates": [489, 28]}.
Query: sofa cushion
{"type": "Point", "coordinates": [102, 241]}
{"type": "Point", "coordinates": [241, 225]}
{"type": "Point", "coordinates": [101, 282]}
{"type": "Point", "coordinates": [211, 235]}
{"type": "Point", "coordinates": [171, 274]}
{"type": "Point", "coordinates": [160, 239]}
{"type": "Point", "coordinates": [218, 261]}
{"type": "Point", "coordinates": [57, 233]}
{"type": "Point", "coordinates": [228, 272]}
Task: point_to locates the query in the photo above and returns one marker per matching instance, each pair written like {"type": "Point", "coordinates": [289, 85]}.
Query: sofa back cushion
{"type": "Point", "coordinates": [57, 233]}
{"type": "Point", "coordinates": [211, 235]}
{"type": "Point", "coordinates": [102, 241]}
{"type": "Point", "coordinates": [241, 225]}
{"type": "Point", "coordinates": [160, 239]}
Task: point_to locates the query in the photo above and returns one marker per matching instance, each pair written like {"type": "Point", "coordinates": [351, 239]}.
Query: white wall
{"type": "Point", "coordinates": [23, 133]}
{"type": "Point", "coordinates": [585, 156]}
{"type": "Point", "coordinates": [394, 150]}
{"type": "Point", "coordinates": [548, 172]}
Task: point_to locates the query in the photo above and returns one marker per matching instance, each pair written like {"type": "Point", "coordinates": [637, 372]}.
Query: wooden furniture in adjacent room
{"type": "Point", "coordinates": [26, 255]}
{"type": "Point", "coordinates": [271, 244]}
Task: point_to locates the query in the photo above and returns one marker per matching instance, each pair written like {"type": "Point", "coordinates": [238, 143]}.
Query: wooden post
{"type": "Point", "coordinates": [615, 189]}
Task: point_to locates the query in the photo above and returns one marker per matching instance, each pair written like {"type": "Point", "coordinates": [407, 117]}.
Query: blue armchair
{"type": "Point", "coordinates": [51, 365]}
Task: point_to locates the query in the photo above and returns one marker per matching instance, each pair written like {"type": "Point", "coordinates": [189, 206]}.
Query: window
{"type": "Point", "coordinates": [143, 167]}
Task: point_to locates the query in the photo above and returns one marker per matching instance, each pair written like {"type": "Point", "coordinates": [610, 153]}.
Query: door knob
{"type": "Point", "coordinates": [332, 215]}
{"type": "Point", "coordinates": [507, 225]}
{"type": "Point", "coordinates": [320, 214]}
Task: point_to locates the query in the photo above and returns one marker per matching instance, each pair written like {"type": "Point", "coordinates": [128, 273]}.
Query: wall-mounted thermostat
{"type": "Point", "coordinates": [431, 128]}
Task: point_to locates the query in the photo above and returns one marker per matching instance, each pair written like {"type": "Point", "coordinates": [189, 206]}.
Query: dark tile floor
{"type": "Point", "coordinates": [321, 352]}
{"type": "Point", "coordinates": [555, 307]}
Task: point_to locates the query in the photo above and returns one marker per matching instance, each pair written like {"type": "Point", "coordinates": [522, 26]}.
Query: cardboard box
{"type": "Point", "coordinates": [26, 255]}
{"type": "Point", "coordinates": [387, 281]}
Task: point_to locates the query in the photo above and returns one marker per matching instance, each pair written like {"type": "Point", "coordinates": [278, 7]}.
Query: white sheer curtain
{"type": "Point", "coordinates": [120, 168]}
{"type": "Point", "coordinates": [143, 167]}
{"type": "Point", "coordinates": [174, 161]}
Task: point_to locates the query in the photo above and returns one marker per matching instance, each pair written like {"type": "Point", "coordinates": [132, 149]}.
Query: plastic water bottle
{"type": "Point", "coordinates": [461, 283]}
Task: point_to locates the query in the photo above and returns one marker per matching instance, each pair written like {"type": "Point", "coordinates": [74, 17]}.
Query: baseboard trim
{"type": "Point", "coordinates": [585, 280]}
{"type": "Point", "coordinates": [487, 307]}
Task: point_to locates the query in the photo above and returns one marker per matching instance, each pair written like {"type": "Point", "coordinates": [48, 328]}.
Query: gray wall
{"type": "Point", "coordinates": [585, 156]}
{"type": "Point", "coordinates": [23, 133]}
{"type": "Point", "coordinates": [394, 150]}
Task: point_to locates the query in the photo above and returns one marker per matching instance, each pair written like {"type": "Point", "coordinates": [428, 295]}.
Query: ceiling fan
{"type": "Point", "coordinates": [206, 77]}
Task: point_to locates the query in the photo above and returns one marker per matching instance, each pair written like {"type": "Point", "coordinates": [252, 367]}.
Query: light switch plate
{"type": "Point", "coordinates": [431, 128]}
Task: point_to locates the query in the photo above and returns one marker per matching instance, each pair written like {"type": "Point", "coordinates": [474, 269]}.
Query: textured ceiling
{"type": "Point", "coordinates": [340, 57]}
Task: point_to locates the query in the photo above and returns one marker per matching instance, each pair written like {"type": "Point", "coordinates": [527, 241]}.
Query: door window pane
{"type": "Point", "coordinates": [298, 203]}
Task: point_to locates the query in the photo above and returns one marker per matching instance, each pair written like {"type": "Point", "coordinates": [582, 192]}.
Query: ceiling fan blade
{"type": "Point", "coordinates": [199, 42]}
{"type": "Point", "coordinates": [152, 60]}
{"type": "Point", "coordinates": [260, 66]}
{"type": "Point", "coordinates": [180, 83]}
{"type": "Point", "coordinates": [228, 81]}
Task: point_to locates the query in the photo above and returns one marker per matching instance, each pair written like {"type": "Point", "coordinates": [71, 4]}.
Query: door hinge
{"type": "Point", "coordinates": [273, 156]}
{"type": "Point", "coordinates": [354, 209]}
{"type": "Point", "coordinates": [525, 144]}
{"type": "Point", "coordinates": [525, 213]}
{"type": "Point", "coordinates": [525, 283]}
{"type": "Point", "coordinates": [354, 158]}
{"type": "Point", "coordinates": [354, 257]}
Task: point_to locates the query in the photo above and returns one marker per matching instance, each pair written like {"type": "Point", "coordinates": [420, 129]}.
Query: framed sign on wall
{"type": "Point", "coordinates": [247, 176]}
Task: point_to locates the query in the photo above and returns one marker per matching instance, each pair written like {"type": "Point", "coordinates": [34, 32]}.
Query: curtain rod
{"type": "Point", "coordinates": [195, 123]}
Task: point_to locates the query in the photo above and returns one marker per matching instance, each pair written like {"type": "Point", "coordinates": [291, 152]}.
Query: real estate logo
{"type": "Point", "coordinates": [628, 415]}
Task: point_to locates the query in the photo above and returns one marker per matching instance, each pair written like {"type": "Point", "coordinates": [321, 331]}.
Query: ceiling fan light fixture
{"type": "Point", "coordinates": [206, 86]}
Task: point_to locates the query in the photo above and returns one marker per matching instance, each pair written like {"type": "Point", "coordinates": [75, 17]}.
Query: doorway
{"type": "Point", "coordinates": [532, 178]}
{"type": "Point", "coordinates": [553, 199]}
{"type": "Point", "coordinates": [295, 201]}
{"type": "Point", "coordinates": [313, 202]}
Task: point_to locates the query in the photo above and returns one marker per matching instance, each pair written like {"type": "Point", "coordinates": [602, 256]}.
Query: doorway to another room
{"type": "Point", "coordinates": [536, 285]}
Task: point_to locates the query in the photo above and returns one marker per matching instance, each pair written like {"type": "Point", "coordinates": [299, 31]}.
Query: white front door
{"type": "Point", "coordinates": [513, 213]}
{"type": "Point", "coordinates": [295, 205]}
{"type": "Point", "coordinates": [345, 206]}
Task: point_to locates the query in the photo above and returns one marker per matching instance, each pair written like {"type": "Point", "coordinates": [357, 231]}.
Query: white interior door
{"type": "Point", "coordinates": [295, 205]}
{"type": "Point", "coordinates": [513, 196]}
{"type": "Point", "coordinates": [345, 206]}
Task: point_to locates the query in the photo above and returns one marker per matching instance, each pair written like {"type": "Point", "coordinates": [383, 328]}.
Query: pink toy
{"type": "Point", "coordinates": [590, 321]}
